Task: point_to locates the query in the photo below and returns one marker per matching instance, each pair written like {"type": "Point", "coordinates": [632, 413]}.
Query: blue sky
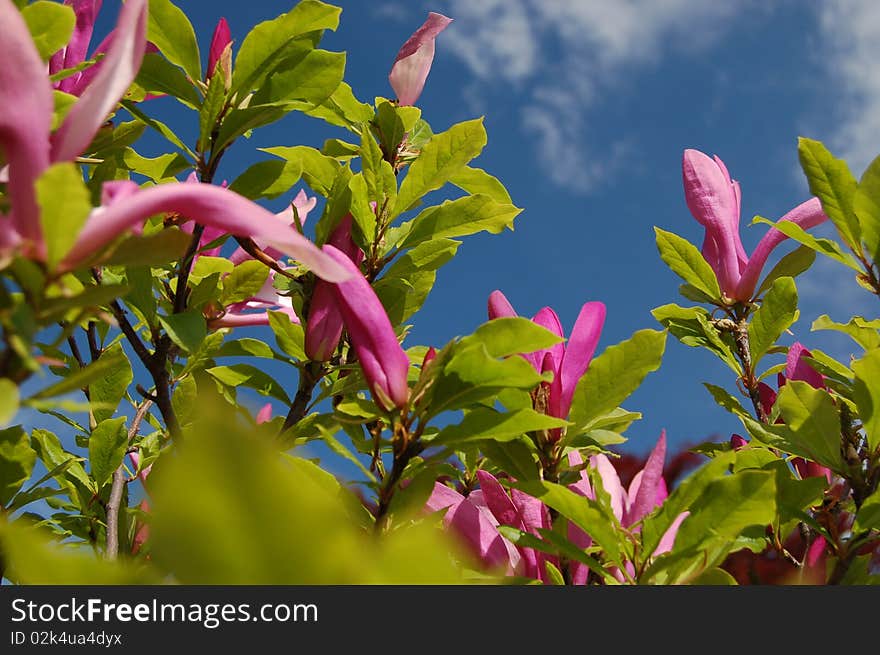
{"type": "Point", "coordinates": [588, 106]}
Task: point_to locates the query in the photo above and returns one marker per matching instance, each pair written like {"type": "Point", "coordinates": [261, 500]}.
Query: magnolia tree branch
{"type": "Point", "coordinates": [118, 486]}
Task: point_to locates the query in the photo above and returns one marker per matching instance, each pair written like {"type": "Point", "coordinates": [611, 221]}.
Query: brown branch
{"type": "Point", "coordinates": [118, 486]}
{"type": "Point", "coordinates": [309, 375]}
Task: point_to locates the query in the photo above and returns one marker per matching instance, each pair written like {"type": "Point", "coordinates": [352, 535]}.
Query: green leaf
{"type": "Point", "coordinates": [82, 378]}
{"type": "Point", "coordinates": [17, 460]}
{"type": "Point", "coordinates": [267, 179]}
{"type": "Point", "coordinates": [318, 170]}
{"type": "Point", "coordinates": [108, 390]}
{"type": "Point", "coordinates": [813, 420]}
{"type": "Point", "coordinates": [865, 333]}
{"type": "Point", "coordinates": [50, 24]}
{"type": "Point", "coordinates": [107, 445]}
{"type": "Point", "coordinates": [343, 109]}
{"type": "Point", "coordinates": [264, 48]}
{"type": "Point", "coordinates": [158, 249]}
{"type": "Point", "coordinates": [866, 205]}
{"type": "Point", "coordinates": [393, 123]}
{"type": "Point", "coordinates": [364, 217]}
{"type": "Point", "coordinates": [727, 401]}
{"type": "Point", "coordinates": [507, 336]}
{"type": "Point", "coordinates": [65, 204]}
{"type": "Point", "coordinates": [825, 247]}
{"type": "Point", "coordinates": [868, 517]}
{"type": "Point", "coordinates": [240, 122]}
{"type": "Point", "coordinates": [866, 393]}
{"type": "Point", "coordinates": [306, 76]}
{"type": "Point", "coordinates": [187, 329]}
{"type": "Point", "coordinates": [583, 512]}
{"type": "Point", "coordinates": [159, 127]}
{"type": "Point", "coordinates": [485, 423]}
{"type": "Point", "coordinates": [444, 156]}
{"type": "Point", "coordinates": [249, 376]}
{"type": "Point", "coordinates": [244, 282]}
{"type": "Point", "coordinates": [192, 540]}
{"type": "Point", "coordinates": [792, 265]}
{"type": "Point", "coordinates": [691, 326]}
{"type": "Point", "coordinates": [156, 168]}
{"type": "Point", "coordinates": [476, 180]}
{"type": "Point", "coordinates": [170, 30]}
{"type": "Point", "coordinates": [159, 75]}
{"type": "Point", "coordinates": [776, 314]}
{"type": "Point", "coordinates": [9, 399]}
{"type": "Point", "coordinates": [615, 374]}
{"type": "Point", "coordinates": [405, 285]}
{"type": "Point", "coordinates": [515, 457]}
{"type": "Point", "coordinates": [687, 262]}
{"type": "Point", "coordinates": [289, 335]}
{"type": "Point", "coordinates": [209, 114]}
{"type": "Point", "coordinates": [832, 182]}
{"type": "Point", "coordinates": [184, 401]}
{"type": "Point", "coordinates": [457, 218]}
{"type": "Point", "coordinates": [246, 348]}
{"type": "Point", "coordinates": [54, 457]}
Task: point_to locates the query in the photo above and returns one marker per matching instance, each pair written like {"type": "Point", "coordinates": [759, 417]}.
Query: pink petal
{"type": "Point", "coordinates": [119, 68]}
{"type": "Point", "coordinates": [611, 484]}
{"type": "Point", "coordinates": [206, 204]}
{"type": "Point", "coordinates": [383, 361]}
{"type": "Point", "coordinates": [265, 414]}
{"type": "Point", "coordinates": [713, 201]}
{"type": "Point", "coordinates": [25, 119]}
{"type": "Point", "coordinates": [798, 369]}
{"type": "Point", "coordinates": [303, 205]}
{"type": "Point", "coordinates": [500, 307]}
{"type": "Point", "coordinates": [644, 497]}
{"type": "Point", "coordinates": [578, 354]}
{"type": "Point", "coordinates": [737, 442]}
{"type": "Point", "coordinates": [667, 541]}
{"type": "Point", "coordinates": [78, 47]}
{"type": "Point", "coordinates": [548, 319]}
{"type": "Point", "coordinates": [767, 397]}
{"type": "Point", "coordinates": [498, 502]}
{"type": "Point", "coordinates": [443, 497]}
{"type": "Point", "coordinates": [413, 62]}
{"type": "Point", "coordinates": [579, 572]}
{"type": "Point", "coordinates": [806, 215]}
{"type": "Point", "coordinates": [221, 39]}
{"type": "Point", "coordinates": [480, 535]}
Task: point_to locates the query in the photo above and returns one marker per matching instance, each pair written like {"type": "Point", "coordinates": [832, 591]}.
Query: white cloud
{"type": "Point", "coordinates": [851, 37]}
{"type": "Point", "coordinates": [565, 52]}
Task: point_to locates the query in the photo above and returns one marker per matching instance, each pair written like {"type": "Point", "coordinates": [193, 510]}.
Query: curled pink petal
{"type": "Point", "coordinates": [644, 497]}
{"type": "Point", "coordinates": [667, 541]}
{"type": "Point", "coordinates": [611, 484]}
{"type": "Point", "coordinates": [303, 205]}
{"type": "Point", "coordinates": [500, 307]}
{"type": "Point", "coordinates": [25, 120]}
{"type": "Point", "coordinates": [578, 354]}
{"type": "Point", "coordinates": [77, 48]}
{"type": "Point", "coordinates": [548, 319]}
{"type": "Point", "coordinates": [413, 61]}
{"type": "Point", "coordinates": [207, 204]}
{"type": "Point", "coordinates": [221, 39]}
{"type": "Point", "coordinates": [383, 361]}
{"type": "Point", "coordinates": [798, 369]}
{"type": "Point", "coordinates": [118, 70]}
{"type": "Point", "coordinates": [806, 215]}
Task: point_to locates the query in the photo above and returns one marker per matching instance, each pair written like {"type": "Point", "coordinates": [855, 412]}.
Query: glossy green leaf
{"type": "Point", "coordinates": [318, 170]}
{"type": "Point", "coordinates": [82, 378]}
{"type": "Point", "coordinates": [306, 76]}
{"type": "Point", "coordinates": [865, 333]}
{"type": "Point", "coordinates": [170, 30]}
{"type": "Point", "coordinates": [457, 218]}
{"type": "Point", "coordinates": [691, 326]}
{"type": "Point", "coordinates": [17, 460]}
{"type": "Point", "coordinates": [187, 329]}
{"type": "Point", "coordinates": [246, 375]}
{"type": "Point", "coordinates": [343, 109]}
{"type": "Point", "coordinates": [793, 264]}
{"type": "Point", "coordinates": [50, 24]}
{"type": "Point", "coordinates": [866, 205]}
{"type": "Point", "coordinates": [866, 393]}
{"type": "Point", "coordinates": [108, 390]}
{"type": "Point", "coordinates": [65, 204]}
{"type": "Point", "coordinates": [107, 445]}
{"type": "Point", "coordinates": [484, 423]}
{"type": "Point", "coordinates": [244, 282]}
{"type": "Point", "coordinates": [776, 314]}
{"type": "Point", "coordinates": [832, 182]}
{"type": "Point", "coordinates": [615, 374]}
{"type": "Point", "coordinates": [687, 262]}
{"type": "Point", "coordinates": [158, 168]}
{"type": "Point", "coordinates": [476, 180]}
{"type": "Point", "coordinates": [507, 336]}
{"type": "Point", "coordinates": [814, 421]}
{"type": "Point", "coordinates": [289, 335]}
{"type": "Point", "coordinates": [823, 246]}
{"type": "Point", "coordinates": [158, 249]}
{"type": "Point", "coordinates": [267, 179]}
{"type": "Point", "coordinates": [444, 156]}
{"type": "Point", "coordinates": [158, 75]}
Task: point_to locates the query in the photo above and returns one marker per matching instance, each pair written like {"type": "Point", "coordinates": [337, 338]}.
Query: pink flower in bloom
{"type": "Point", "coordinates": [647, 491]}
{"type": "Point", "coordinates": [303, 205]}
{"type": "Point", "coordinates": [255, 310]}
{"type": "Point", "coordinates": [714, 200]}
{"type": "Point", "coordinates": [74, 53]}
{"type": "Point", "coordinates": [26, 143]}
{"type": "Point", "coordinates": [265, 414]}
{"type": "Point", "coordinates": [413, 61]}
{"type": "Point", "coordinates": [324, 327]}
{"type": "Point", "coordinates": [383, 361]}
{"type": "Point", "coordinates": [567, 361]}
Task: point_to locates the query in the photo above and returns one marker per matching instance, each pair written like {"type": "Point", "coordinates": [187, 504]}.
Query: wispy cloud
{"type": "Point", "coordinates": [851, 38]}
{"type": "Point", "coordinates": [562, 54]}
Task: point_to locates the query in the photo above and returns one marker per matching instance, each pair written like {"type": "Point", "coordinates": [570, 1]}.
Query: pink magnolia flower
{"type": "Point", "coordinates": [714, 200]}
{"type": "Point", "coordinates": [265, 414]}
{"type": "Point", "coordinates": [255, 310]}
{"type": "Point", "coordinates": [29, 149]}
{"type": "Point", "coordinates": [383, 361]}
{"type": "Point", "coordinates": [413, 61]}
{"type": "Point", "coordinates": [646, 491]}
{"type": "Point", "coordinates": [303, 205]}
{"type": "Point", "coordinates": [567, 361]}
{"type": "Point", "coordinates": [324, 326]}
{"type": "Point", "coordinates": [221, 50]}
{"type": "Point", "coordinates": [74, 53]}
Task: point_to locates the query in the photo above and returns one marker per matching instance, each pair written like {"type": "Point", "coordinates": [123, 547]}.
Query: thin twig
{"type": "Point", "coordinates": [118, 485]}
